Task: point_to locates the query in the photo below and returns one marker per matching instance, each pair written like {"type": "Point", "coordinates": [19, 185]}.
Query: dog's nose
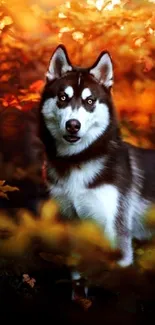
{"type": "Point", "coordinates": [73, 126]}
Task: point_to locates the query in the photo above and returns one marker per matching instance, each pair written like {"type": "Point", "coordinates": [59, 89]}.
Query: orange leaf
{"type": "Point", "coordinates": [37, 86]}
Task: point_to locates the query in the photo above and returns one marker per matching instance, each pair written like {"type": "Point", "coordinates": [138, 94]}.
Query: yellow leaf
{"type": "Point", "coordinates": [2, 183]}
{"type": "Point", "coordinates": [54, 236]}
{"type": "Point", "coordinates": [4, 195]}
{"type": "Point", "coordinates": [7, 223]}
{"type": "Point", "coordinates": [49, 211]}
{"type": "Point", "coordinates": [149, 217]}
{"type": "Point", "coordinates": [88, 231]}
{"type": "Point", "coordinates": [139, 252]}
{"type": "Point", "coordinates": [7, 188]}
{"type": "Point", "coordinates": [27, 220]}
{"type": "Point", "coordinates": [73, 260]}
{"type": "Point", "coordinates": [49, 257]}
{"type": "Point", "coordinates": [15, 245]}
{"type": "Point", "coordinates": [147, 260]}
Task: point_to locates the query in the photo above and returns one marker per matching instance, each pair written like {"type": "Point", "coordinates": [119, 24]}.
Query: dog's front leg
{"type": "Point", "coordinates": [125, 246]}
{"type": "Point", "coordinates": [120, 238]}
{"type": "Point", "coordinates": [124, 237]}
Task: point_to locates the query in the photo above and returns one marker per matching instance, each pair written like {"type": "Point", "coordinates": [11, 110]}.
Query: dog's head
{"type": "Point", "coordinates": [76, 103]}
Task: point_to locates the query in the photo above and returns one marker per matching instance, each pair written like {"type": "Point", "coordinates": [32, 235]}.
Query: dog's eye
{"type": "Point", "coordinates": [63, 98]}
{"type": "Point", "coordinates": [90, 101]}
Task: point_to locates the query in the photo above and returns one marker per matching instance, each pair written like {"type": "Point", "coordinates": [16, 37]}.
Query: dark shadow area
{"type": "Point", "coordinates": [21, 158]}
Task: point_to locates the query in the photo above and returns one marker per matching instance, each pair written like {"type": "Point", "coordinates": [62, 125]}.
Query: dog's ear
{"type": "Point", "coordinates": [102, 70]}
{"type": "Point", "coordinates": [59, 64]}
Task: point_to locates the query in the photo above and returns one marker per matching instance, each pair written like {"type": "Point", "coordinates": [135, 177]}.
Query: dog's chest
{"type": "Point", "coordinates": [76, 199]}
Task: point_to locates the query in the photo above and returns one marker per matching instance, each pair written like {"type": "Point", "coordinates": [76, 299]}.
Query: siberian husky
{"type": "Point", "coordinates": [92, 172]}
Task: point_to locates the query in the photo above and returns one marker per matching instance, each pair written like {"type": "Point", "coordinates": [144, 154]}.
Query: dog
{"type": "Point", "coordinates": [92, 171]}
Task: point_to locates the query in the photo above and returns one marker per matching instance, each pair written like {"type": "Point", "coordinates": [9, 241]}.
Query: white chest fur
{"type": "Point", "coordinates": [74, 197]}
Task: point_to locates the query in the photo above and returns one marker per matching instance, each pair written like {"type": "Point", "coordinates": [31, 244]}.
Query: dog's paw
{"type": "Point", "coordinates": [125, 262]}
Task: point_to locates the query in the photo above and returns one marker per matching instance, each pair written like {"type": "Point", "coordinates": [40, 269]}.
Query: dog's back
{"type": "Point", "coordinates": [146, 165]}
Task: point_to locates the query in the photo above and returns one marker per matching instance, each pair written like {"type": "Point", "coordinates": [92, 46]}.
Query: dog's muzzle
{"type": "Point", "coordinates": [72, 127]}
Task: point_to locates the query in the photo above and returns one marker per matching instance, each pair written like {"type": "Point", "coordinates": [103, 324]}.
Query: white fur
{"type": "Point", "coordinates": [75, 198]}
{"type": "Point", "coordinates": [92, 124]}
{"type": "Point", "coordinates": [86, 93]}
{"type": "Point", "coordinates": [49, 108]}
{"type": "Point", "coordinates": [69, 91]}
{"type": "Point", "coordinates": [103, 71]}
{"type": "Point", "coordinates": [74, 187]}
